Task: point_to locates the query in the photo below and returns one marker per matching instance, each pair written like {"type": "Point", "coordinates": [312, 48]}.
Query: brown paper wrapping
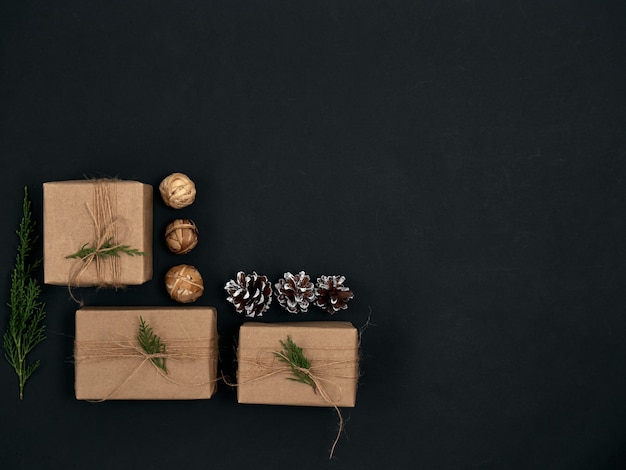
{"type": "Point", "coordinates": [331, 347]}
{"type": "Point", "coordinates": [68, 225]}
{"type": "Point", "coordinates": [190, 334]}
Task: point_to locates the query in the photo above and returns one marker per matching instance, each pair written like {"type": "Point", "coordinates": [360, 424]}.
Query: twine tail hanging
{"type": "Point", "coordinates": [318, 388]}
{"type": "Point", "coordinates": [326, 397]}
{"type": "Point", "coordinates": [324, 374]}
{"type": "Point", "coordinates": [315, 381]}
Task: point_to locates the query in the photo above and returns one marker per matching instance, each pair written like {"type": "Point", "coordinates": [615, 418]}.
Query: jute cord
{"type": "Point", "coordinates": [178, 350]}
{"type": "Point", "coordinates": [106, 226]}
{"type": "Point", "coordinates": [320, 373]}
{"type": "Point", "coordinates": [175, 228]}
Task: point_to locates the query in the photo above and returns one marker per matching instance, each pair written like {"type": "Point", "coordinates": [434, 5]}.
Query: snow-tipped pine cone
{"type": "Point", "coordinates": [331, 294]}
{"type": "Point", "coordinates": [295, 292]}
{"type": "Point", "coordinates": [251, 294]}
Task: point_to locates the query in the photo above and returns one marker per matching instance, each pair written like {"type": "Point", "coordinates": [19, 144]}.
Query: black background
{"type": "Point", "coordinates": [460, 162]}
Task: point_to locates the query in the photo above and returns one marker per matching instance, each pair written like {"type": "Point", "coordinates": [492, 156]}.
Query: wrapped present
{"type": "Point", "coordinates": [328, 377]}
{"type": "Point", "coordinates": [97, 232]}
{"type": "Point", "coordinates": [149, 353]}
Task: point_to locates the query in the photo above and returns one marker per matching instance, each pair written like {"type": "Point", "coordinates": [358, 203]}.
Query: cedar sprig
{"type": "Point", "coordinates": [295, 358]}
{"type": "Point", "coordinates": [151, 344]}
{"type": "Point", "coordinates": [26, 328]}
{"type": "Point", "coordinates": [107, 249]}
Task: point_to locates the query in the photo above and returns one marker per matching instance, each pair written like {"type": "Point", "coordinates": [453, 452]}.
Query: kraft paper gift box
{"type": "Point", "coordinates": [111, 365]}
{"type": "Point", "coordinates": [92, 213]}
{"type": "Point", "coordinates": [331, 348]}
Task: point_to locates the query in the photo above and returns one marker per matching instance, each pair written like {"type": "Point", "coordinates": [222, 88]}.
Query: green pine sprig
{"type": "Point", "coordinates": [107, 249]}
{"type": "Point", "coordinates": [295, 358]}
{"type": "Point", "coordinates": [26, 328]}
{"type": "Point", "coordinates": [151, 344]}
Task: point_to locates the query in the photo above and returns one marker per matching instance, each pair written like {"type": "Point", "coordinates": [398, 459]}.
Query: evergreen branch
{"type": "Point", "coordinates": [26, 328]}
{"type": "Point", "coordinates": [107, 249]}
{"type": "Point", "coordinates": [151, 344]}
{"type": "Point", "coordinates": [295, 358]}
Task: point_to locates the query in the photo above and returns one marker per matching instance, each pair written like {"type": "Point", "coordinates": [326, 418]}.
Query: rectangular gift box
{"type": "Point", "coordinates": [88, 213]}
{"type": "Point", "coordinates": [330, 347]}
{"type": "Point", "coordinates": [111, 365]}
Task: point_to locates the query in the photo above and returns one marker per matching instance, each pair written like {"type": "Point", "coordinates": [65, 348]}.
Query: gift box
{"type": "Point", "coordinates": [97, 232]}
{"type": "Point", "coordinates": [111, 364]}
{"type": "Point", "coordinates": [330, 347]}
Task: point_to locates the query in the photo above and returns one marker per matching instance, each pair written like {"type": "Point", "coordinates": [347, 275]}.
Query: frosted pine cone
{"type": "Point", "coordinates": [251, 294]}
{"type": "Point", "coordinates": [332, 295]}
{"type": "Point", "coordinates": [295, 292]}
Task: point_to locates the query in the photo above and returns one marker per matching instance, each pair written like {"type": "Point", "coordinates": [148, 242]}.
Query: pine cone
{"type": "Point", "coordinates": [332, 295]}
{"type": "Point", "coordinates": [295, 292]}
{"type": "Point", "coordinates": [249, 293]}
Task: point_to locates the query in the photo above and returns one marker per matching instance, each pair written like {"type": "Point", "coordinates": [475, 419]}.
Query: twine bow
{"type": "Point", "coordinates": [105, 249]}
{"type": "Point", "coordinates": [303, 374]}
{"type": "Point", "coordinates": [127, 348]}
{"type": "Point", "coordinates": [314, 373]}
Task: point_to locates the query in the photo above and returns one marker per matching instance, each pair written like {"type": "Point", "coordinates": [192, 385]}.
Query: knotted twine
{"type": "Point", "coordinates": [106, 236]}
{"type": "Point", "coordinates": [320, 373]}
{"type": "Point", "coordinates": [177, 350]}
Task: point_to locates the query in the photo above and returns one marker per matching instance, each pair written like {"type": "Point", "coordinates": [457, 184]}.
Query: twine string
{"type": "Point", "coordinates": [318, 388]}
{"type": "Point", "coordinates": [177, 227]}
{"type": "Point", "coordinates": [106, 228]}
{"type": "Point", "coordinates": [181, 276]}
{"type": "Point", "coordinates": [126, 348]}
{"type": "Point", "coordinates": [317, 376]}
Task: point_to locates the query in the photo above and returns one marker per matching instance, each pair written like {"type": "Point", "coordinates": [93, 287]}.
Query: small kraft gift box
{"type": "Point", "coordinates": [97, 232]}
{"type": "Point", "coordinates": [266, 374]}
{"type": "Point", "coordinates": [145, 353]}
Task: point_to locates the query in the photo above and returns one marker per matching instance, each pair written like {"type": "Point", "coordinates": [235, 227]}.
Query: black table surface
{"type": "Point", "coordinates": [460, 162]}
